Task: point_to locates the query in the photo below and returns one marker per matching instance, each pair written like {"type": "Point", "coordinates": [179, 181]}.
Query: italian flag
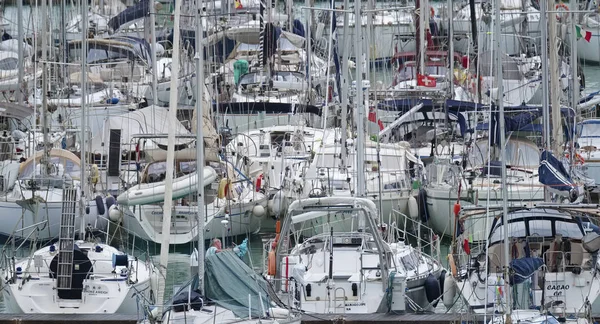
{"type": "Point", "coordinates": [587, 35]}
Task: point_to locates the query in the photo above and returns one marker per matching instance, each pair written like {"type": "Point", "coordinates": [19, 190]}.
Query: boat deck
{"type": "Point", "coordinates": [68, 318]}
{"type": "Point", "coordinates": [391, 318]}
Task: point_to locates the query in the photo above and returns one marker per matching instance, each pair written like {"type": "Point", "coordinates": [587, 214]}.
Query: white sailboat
{"type": "Point", "coordinates": [76, 275]}
{"type": "Point", "coordinates": [193, 308]}
{"type": "Point", "coordinates": [321, 269]}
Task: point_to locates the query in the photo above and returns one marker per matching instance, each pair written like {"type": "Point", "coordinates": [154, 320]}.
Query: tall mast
{"type": "Point", "coordinates": [500, 107]}
{"type": "Point", "coordinates": [574, 80]}
{"type": "Point", "coordinates": [557, 133]}
{"type": "Point", "coordinates": [421, 43]}
{"type": "Point", "coordinates": [450, 52]}
{"type": "Point", "coordinates": [153, 58]}
{"type": "Point", "coordinates": [171, 121]}
{"type": "Point", "coordinates": [200, 140]}
{"type": "Point", "coordinates": [44, 28]}
{"type": "Point", "coordinates": [359, 109]}
{"type": "Point", "coordinates": [344, 90]}
{"type": "Point", "coordinates": [20, 50]}
{"type": "Point", "coordinates": [83, 180]}
{"type": "Point", "coordinates": [545, 88]}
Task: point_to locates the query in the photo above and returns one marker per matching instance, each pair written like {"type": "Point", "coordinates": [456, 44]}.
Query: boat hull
{"type": "Point", "coordinates": [145, 221]}
{"type": "Point", "coordinates": [441, 201]}
{"type": "Point", "coordinates": [14, 217]}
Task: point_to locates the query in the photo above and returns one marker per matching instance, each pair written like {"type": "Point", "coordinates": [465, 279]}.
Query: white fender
{"type": "Point", "coordinates": [449, 291]}
{"type": "Point", "coordinates": [413, 207]}
{"type": "Point", "coordinates": [258, 211]}
{"type": "Point", "coordinates": [279, 204]}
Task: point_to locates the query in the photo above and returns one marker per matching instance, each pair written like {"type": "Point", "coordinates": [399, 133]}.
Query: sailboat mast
{"type": "Point", "coordinates": [83, 180]}
{"type": "Point", "coordinates": [545, 88]}
{"type": "Point", "coordinates": [44, 28]}
{"type": "Point", "coordinates": [500, 107]}
{"type": "Point", "coordinates": [557, 133]}
{"type": "Point", "coordinates": [200, 140]}
{"type": "Point", "coordinates": [344, 90]}
{"type": "Point", "coordinates": [574, 81]}
{"type": "Point", "coordinates": [422, 44]}
{"type": "Point", "coordinates": [20, 50]}
{"type": "Point", "coordinates": [359, 109]}
{"type": "Point", "coordinates": [153, 58]}
{"type": "Point", "coordinates": [171, 122]}
{"type": "Point", "coordinates": [450, 54]}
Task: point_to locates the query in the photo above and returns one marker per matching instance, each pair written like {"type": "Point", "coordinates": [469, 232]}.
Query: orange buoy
{"type": "Point", "coordinates": [278, 227]}
{"type": "Point", "coordinates": [272, 269]}
{"type": "Point", "coordinates": [456, 209]}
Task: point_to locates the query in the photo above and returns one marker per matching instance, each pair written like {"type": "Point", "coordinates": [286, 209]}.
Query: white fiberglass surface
{"type": "Point", "coordinates": [518, 153]}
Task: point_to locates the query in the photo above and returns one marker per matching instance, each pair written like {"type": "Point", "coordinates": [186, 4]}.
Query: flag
{"type": "Point", "coordinates": [238, 4]}
{"type": "Point", "coordinates": [466, 247]}
{"type": "Point", "coordinates": [425, 81]}
{"type": "Point", "coordinates": [587, 35]}
{"type": "Point", "coordinates": [373, 118]}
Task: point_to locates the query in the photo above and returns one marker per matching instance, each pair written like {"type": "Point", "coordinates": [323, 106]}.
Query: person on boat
{"type": "Point", "coordinates": [214, 248]}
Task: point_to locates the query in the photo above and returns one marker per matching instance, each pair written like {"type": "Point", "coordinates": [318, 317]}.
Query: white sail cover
{"type": "Point", "coordinates": [148, 121]}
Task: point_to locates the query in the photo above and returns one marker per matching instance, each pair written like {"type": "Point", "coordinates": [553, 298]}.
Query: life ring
{"type": "Point", "coordinates": [560, 6]}
{"type": "Point", "coordinates": [223, 188]}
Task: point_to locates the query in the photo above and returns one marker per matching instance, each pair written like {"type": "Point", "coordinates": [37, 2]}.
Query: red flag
{"type": "Point", "coordinates": [425, 81]}
{"type": "Point", "coordinates": [466, 247]}
{"type": "Point", "coordinates": [373, 118]}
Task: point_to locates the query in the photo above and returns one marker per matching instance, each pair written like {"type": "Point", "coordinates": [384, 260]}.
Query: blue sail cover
{"type": "Point", "coordinates": [523, 268]}
{"type": "Point", "coordinates": [138, 11]}
{"type": "Point", "coordinates": [554, 175]}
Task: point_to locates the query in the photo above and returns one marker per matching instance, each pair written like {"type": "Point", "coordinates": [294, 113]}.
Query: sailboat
{"type": "Point", "coordinates": [78, 274]}
{"type": "Point", "coordinates": [321, 270]}
{"type": "Point", "coordinates": [228, 276]}
{"type": "Point", "coordinates": [551, 260]}
{"type": "Point", "coordinates": [98, 279]}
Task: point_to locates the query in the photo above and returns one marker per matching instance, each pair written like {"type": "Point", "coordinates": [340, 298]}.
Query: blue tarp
{"type": "Point", "coordinates": [523, 268]}
{"type": "Point", "coordinates": [554, 175]}
{"type": "Point", "coordinates": [138, 11]}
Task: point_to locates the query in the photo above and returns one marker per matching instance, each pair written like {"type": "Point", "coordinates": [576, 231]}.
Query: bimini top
{"type": "Point", "coordinates": [541, 222]}
{"type": "Point", "coordinates": [103, 50]}
{"type": "Point", "coordinates": [65, 161]}
{"type": "Point", "coordinates": [589, 128]}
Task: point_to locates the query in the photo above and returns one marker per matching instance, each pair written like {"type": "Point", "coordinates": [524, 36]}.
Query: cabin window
{"type": "Point", "coordinates": [9, 63]}
{"type": "Point", "coordinates": [589, 130]}
{"type": "Point", "coordinates": [187, 167]}
{"type": "Point", "coordinates": [570, 230]}
{"type": "Point", "coordinates": [156, 172]}
{"type": "Point", "coordinates": [541, 228]}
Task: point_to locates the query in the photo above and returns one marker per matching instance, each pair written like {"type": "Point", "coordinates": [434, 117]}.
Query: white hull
{"type": "Point", "coordinates": [512, 44]}
{"type": "Point", "coordinates": [441, 200]}
{"type": "Point", "coordinates": [216, 314]}
{"type": "Point", "coordinates": [151, 193]}
{"type": "Point", "coordinates": [37, 303]}
{"type": "Point", "coordinates": [102, 291]}
{"type": "Point", "coordinates": [387, 40]}
{"type": "Point", "coordinates": [14, 218]}
{"type": "Point", "coordinates": [245, 122]}
{"type": "Point", "coordinates": [145, 221]}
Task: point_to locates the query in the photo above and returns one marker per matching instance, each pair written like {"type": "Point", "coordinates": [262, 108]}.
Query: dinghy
{"type": "Point", "coordinates": [151, 193]}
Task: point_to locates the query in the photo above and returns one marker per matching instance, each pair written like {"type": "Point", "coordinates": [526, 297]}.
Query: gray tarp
{"type": "Point", "coordinates": [229, 282]}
